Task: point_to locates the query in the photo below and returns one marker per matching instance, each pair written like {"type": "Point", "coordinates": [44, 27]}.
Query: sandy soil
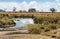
{"type": "Point", "coordinates": [21, 35]}
{"type": "Point", "coordinates": [8, 32]}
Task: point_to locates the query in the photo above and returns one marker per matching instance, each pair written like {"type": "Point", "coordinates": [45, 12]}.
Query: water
{"type": "Point", "coordinates": [22, 22]}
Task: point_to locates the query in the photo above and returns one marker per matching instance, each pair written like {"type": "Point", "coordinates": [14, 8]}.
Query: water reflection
{"type": "Point", "coordinates": [22, 22]}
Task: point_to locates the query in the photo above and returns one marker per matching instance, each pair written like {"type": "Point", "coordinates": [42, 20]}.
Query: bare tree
{"type": "Point", "coordinates": [14, 9]}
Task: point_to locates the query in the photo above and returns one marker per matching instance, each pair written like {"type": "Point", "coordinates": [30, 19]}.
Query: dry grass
{"type": "Point", "coordinates": [25, 36]}
{"type": "Point", "coordinates": [30, 36]}
{"type": "Point", "coordinates": [36, 13]}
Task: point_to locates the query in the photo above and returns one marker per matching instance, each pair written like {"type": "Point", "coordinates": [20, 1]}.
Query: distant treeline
{"type": "Point", "coordinates": [30, 10]}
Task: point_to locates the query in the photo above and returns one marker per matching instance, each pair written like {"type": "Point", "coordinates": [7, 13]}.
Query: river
{"type": "Point", "coordinates": [23, 21]}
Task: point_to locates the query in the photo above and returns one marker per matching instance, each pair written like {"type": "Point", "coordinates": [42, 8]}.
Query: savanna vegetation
{"type": "Point", "coordinates": [39, 18]}
{"type": "Point", "coordinates": [46, 24]}
{"type": "Point", "coordinates": [6, 21]}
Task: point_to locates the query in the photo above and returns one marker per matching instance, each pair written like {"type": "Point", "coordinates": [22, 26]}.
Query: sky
{"type": "Point", "coordinates": [39, 5]}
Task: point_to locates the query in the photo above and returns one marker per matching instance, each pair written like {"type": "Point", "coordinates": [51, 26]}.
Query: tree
{"type": "Point", "coordinates": [5, 9]}
{"type": "Point", "coordinates": [20, 11]}
{"type": "Point", "coordinates": [1, 10]}
{"type": "Point", "coordinates": [52, 10]}
{"type": "Point", "coordinates": [24, 11]}
{"type": "Point", "coordinates": [14, 9]}
{"type": "Point", "coordinates": [32, 10]}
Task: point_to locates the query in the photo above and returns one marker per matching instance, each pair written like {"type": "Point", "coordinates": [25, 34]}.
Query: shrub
{"type": "Point", "coordinates": [34, 29]}
{"type": "Point", "coordinates": [38, 29]}
{"type": "Point", "coordinates": [46, 19]}
{"type": "Point", "coordinates": [53, 27]}
{"type": "Point", "coordinates": [46, 30]}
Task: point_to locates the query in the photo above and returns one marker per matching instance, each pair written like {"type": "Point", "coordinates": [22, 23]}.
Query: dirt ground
{"type": "Point", "coordinates": [20, 35]}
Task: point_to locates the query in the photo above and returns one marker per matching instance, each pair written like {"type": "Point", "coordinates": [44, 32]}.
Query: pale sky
{"type": "Point", "coordinates": [26, 4]}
